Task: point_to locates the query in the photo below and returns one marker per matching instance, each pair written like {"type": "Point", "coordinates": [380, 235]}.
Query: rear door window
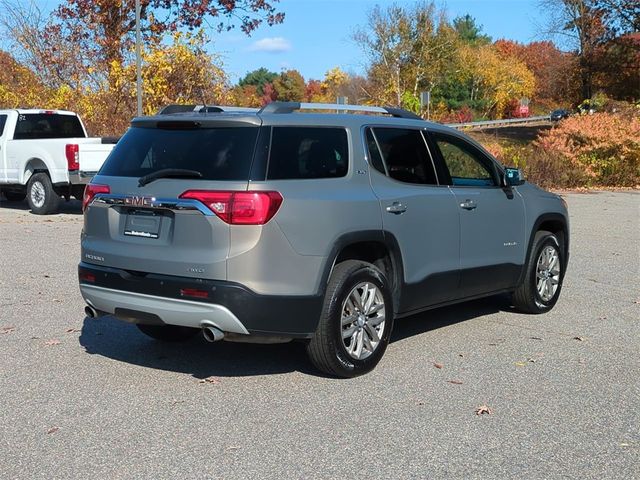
{"type": "Point", "coordinates": [223, 153]}
{"type": "Point", "coordinates": [405, 155]}
{"type": "Point", "coordinates": [308, 152]}
{"type": "Point", "coordinates": [3, 121]}
{"type": "Point", "coordinates": [36, 126]}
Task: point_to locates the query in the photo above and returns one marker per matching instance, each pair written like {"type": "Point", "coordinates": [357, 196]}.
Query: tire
{"type": "Point", "coordinates": [359, 353]}
{"type": "Point", "coordinates": [528, 298]}
{"type": "Point", "coordinates": [168, 333]}
{"type": "Point", "coordinates": [14, 196]}
{"type": "Point", "coordinates": [43, 200]}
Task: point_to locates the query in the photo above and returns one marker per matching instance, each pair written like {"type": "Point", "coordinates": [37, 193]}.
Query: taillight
{"type": "Point", "coordinates": [90, 191]}
{"type": "Point", "coordinates": [73, 154]}
{"type": "Point", "coordinates": [239, 208]}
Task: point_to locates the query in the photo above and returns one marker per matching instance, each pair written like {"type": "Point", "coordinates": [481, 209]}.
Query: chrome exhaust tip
{"type": "Point", "coordinates": [90, 312]}
{"type": "Point", "coordinates": [212, 334]}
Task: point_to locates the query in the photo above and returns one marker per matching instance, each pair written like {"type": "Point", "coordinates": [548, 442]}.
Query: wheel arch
{"type": "Point", "coordinates": [377, 247]}
{"type": "Point", "coordinates": [32, 166]}
{"type": "Point", "coordinates": [557, 224]}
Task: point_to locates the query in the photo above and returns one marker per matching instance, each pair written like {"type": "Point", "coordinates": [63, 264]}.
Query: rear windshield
{"type": "Point", "coordinates": [217, 153]}
{"type": "Point", "coordinates": [34, 126]}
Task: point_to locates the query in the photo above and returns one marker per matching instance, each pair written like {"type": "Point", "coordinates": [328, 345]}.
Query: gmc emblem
{"type": "Point", "coordinates": [138, 201]}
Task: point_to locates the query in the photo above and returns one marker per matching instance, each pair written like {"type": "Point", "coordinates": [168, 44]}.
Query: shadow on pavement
{"type": "Point", "coordinates": [121, 341]}
{"type": "Point", "coordinates": [72, 207]}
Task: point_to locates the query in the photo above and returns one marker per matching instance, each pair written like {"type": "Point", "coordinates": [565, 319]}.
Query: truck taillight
{"type": "Point", "coordinates": [90, 191]}
{"type": "Point", "coordinates": [72, 151]}
{"type": "Point", "coordinates": [239, 208]}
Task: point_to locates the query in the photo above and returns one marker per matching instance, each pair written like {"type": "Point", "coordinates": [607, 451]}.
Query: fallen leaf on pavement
{"type": "Point", "coordinates": [212, 380]}
{"type": "Point", "coordinates": [53, 430]}
{"type": "Point", "coordinates": [419, 403]}
{"type": "Point", "coordinates": [531, 360]}
{"type": "Point", "coordinates": [72, 330]}
{"type": "Point", "coordinates": [580, 339]}
{"type": "Point", "coordinates": [455, 382]}
{"type": "Point", "coordinates": [521, 364]}
{"type": "Point", "coordinates": [7, 329]}
{"type": "Point", "coordinates": [438, 365]}
{"type": "Point", "coordinates": [482, 409]}
{"type": "Point", "coordinates": [53, 341]}
{"type": "Point", "coordinates": [535, 338]}
{"type": "Point", "coordinates": [56, 300]}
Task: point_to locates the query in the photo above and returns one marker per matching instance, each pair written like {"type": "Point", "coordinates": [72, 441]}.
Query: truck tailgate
{"type": "Point", "coordinates": [93, 155]}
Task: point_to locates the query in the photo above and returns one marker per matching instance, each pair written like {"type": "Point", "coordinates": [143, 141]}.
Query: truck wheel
{"type": "Point", "coordinates": [542, 283]}
{"type": "Point", "coordinates": [14, 196]}
{"type": "Point", "coordinates": [168, 333]}
{"type": "Point", "coordinates": [356, 321]}
{"type": "Point", "coordinates": [42, 199]}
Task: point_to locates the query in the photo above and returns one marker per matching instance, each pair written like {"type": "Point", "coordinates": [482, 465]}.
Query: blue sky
{"type": "Point", "coordinates": [315, 35]}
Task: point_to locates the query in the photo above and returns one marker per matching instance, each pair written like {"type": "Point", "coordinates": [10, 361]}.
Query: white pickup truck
{"type": "Point", "coordinates": [45, 155]}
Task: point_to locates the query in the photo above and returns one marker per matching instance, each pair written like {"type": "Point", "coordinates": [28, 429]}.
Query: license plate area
{"type": "Point", "coordinates": [143, 224]}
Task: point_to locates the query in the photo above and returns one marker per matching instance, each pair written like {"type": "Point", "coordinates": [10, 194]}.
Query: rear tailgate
{"type": "Point", "coordinates": [91, 155]}
{"type": "Point", "coordinates": [148, 228]}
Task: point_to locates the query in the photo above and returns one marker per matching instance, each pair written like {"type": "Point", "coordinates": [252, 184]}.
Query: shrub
{"type": "Point", "coordinates": [604, 146]}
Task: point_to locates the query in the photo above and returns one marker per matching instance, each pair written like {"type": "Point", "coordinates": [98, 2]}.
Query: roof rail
{"type": "Point", "coordinates": [290, 107]}
{"type": "Point", "coordinates": [170, 109]}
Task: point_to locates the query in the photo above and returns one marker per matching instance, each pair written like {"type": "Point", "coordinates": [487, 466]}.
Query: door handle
{"type": "Point", "coordinates": [396, 208]}
{"type": "Point", "coordinates": [468, 204]}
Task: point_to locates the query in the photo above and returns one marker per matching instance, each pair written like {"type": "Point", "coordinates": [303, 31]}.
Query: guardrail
{"type": "Point", "coordinates": [500, 123]}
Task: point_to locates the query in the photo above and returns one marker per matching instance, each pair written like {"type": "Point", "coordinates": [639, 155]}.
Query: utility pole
{"type": "Point", "coordinates": [138, 60]}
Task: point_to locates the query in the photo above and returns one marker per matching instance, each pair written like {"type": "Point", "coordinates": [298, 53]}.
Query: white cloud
{"type": "Point", "coordinates": [271, 45]}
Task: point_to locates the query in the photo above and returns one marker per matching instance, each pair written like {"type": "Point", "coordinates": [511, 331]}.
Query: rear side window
{"type": "Point", "coordinates": [34, 126]}
{"type": "Point", "coordinates": [217, 153]}
{"type": "Point", "coordinates": [405, 155]}
{"type": "Point", "coordinates": [308, 152]}
{"type": "Point", "coordinates": [3, 120]}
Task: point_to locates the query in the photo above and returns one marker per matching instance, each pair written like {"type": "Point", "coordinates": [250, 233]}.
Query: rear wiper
{"type": "Point", "coordinates": [168, 173]}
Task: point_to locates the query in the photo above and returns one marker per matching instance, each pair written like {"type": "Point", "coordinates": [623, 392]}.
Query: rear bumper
{"type": "Point", "coordinates": [78, 177]}
{"type": "Point", "coordinates": [233, 308]}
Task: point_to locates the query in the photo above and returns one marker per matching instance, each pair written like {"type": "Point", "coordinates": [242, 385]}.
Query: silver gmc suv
{"type": "Point", "coordinates": [272, 225]}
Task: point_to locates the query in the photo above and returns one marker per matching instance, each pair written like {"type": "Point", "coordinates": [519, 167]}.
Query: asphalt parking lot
{"type": "Point", "coordinates": [83, 398]}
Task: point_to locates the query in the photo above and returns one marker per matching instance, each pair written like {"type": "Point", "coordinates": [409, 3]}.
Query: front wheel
{"type": "Point", "coordinates": [168, 333]}
{"type": "Point", "coordinates": [542, 283]}
{"type": "Point", "coordinates": [356, 321]}
{"type": "Point", "coordinates": [42, 199]}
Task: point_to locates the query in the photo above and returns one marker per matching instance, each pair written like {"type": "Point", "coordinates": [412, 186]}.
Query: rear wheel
{"type": "Point", "coordinates": [542, 283]}
{"type": "Point", "coordinates": [42, 199]}
{"type": "Point", "coordinates": [356, 322]}
{"type": "Point", "coordinates": [168, 333]}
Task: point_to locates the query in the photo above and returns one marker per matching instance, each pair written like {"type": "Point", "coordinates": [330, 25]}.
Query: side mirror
{"type": "Point", "coordinates": [513, 177]}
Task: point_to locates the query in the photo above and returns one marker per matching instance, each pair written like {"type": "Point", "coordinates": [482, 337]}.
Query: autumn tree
{"type": "Point", "coordinates": [290, 86]}
{"type": "Point", "coordinates": [407, 48]}
{"type": "Point", "coordinates": [553, 69]}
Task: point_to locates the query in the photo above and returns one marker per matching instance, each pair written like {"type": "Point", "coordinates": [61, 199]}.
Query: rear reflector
{"type": "Point", "coordinates": [87, 277]}
{"type": "Point", "coordinates": [194, 293]}
{"type": "Point", "coordinates": [72, 153]}
{"type": "Point", "coordinates": [239, 208]}
{"type": "Point", "coordinates": [90, 191]}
